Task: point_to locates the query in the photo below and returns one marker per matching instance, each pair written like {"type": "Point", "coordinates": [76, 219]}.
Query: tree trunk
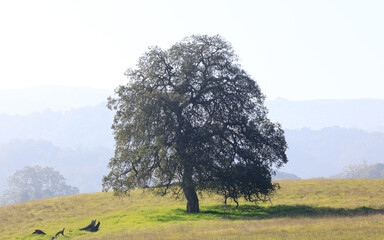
{"type": "Point", "coordinates": [190, 190]}
{"type": "Point", "coordinates": [192, 200]}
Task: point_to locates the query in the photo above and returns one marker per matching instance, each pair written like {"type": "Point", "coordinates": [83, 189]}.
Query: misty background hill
{"type": "Point", "coordinates": [69, 129]}
{"type": "Point", "coordinates": [56, 98]}
{"type": "Point", "coordinates": [80, 127]}
{"type": "Point", "coordinates": [366, 114]}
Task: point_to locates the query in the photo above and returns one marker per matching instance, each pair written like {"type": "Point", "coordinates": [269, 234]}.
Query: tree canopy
{"type": "Point", "coordinates": [33, 183]}
{"type": "Point", "coordinates": [190, 116]}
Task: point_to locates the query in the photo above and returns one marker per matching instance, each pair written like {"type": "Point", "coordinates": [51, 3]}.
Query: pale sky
{"type": "Point", "coordinates": [293, 49]}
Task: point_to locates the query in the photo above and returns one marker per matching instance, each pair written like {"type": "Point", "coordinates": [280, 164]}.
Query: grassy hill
{"type": "Point", "coordinates": [301, 209]}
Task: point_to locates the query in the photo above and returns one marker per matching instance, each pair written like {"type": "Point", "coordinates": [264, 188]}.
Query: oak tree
{"type": "Point", "coordinates": [191, 116]}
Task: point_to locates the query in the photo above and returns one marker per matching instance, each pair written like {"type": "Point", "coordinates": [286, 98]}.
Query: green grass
{"type": "Point", "coordinates": [306, 209]}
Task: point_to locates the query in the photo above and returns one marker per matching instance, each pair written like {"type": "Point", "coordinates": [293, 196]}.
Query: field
{"type": "Point", "coordinates": [305, 209]}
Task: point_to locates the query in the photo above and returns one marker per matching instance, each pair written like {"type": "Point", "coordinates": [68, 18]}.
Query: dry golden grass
{"type": "Point", "coordinates": [307, 209]}
{"type": "Point", "coordinates": [362, 227]}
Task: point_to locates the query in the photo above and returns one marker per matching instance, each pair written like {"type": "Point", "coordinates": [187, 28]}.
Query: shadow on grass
{"type": "Point", "coordinates": [278, 211]}
{"type": "Point", "coordinates": [261, 212]}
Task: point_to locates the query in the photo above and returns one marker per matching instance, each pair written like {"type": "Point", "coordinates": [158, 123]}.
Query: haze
{"type": "Point", "coordinates": [294, 49]}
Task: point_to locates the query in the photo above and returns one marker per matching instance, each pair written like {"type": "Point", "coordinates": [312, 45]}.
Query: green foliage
{"type": "Point", "coordinates": [34, 183]}
{"type": "Point", "coordinates": [191, 116]}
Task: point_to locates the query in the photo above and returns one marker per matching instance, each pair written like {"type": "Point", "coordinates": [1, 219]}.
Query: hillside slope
{"type": "Point", "coordinates": [303, 209]}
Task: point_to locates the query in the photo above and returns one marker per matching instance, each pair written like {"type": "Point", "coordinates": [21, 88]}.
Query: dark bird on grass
{"type": "Point", "coordinates": [60, 232]}
{"type": "Point", "coordinates": [38, 231]}
{"type": "Point", "coordinates": [93, 222]}
{"type": "Point", "coordinates": [95, 228]}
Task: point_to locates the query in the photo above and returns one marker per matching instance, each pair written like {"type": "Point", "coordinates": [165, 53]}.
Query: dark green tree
{"type": "Point", "coordinates": [191, 116]}
{"type": "Point", "coordinates": [33, 183]}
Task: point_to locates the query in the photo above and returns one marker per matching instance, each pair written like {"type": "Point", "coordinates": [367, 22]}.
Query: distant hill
{"type": "Point", "coordinates": [367, 114]}
{"type": "Point", "coordinates": [285, 176]}
{"type": "Point", "coordinates": [90, 125]}
{"type": "Point", "coordinates": [56, 98]}
{"type": "Point", "coordinates": [87, 127]}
